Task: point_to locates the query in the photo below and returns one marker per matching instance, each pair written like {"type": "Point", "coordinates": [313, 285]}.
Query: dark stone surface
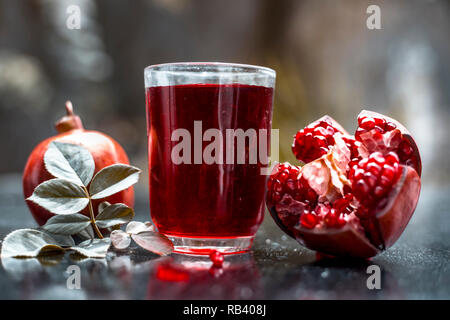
{"type": "Point", "coordinates": [416, 267]}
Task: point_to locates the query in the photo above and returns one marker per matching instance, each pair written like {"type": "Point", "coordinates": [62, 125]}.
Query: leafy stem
{"type": "Point", "coordinates": [91, 215]}
{"type": "Point", "coordinates": [68, 194]}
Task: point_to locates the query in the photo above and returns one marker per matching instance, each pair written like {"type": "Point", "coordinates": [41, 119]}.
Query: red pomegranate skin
{"type": "Point", "coordinates": [105, 151]}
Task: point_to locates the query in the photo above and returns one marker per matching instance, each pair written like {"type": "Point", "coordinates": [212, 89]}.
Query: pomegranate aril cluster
{"type": "Point", "coordinates": [305, 193]}
{"type": "Point", "coordinates": [353, 145]}
{"type": "Point", "coordinates": [372, 178]}
{"type": "Point", "coordinates": [311, 143]}
{"type": "Point", "coordinates": [378, 127]}
{"type": "Point", "coordinates": [282, 180]}
{"type": "Point", "coordinates": [368, 123]}
{"type": "Point", "coordinates": [333, 215]}
{"type": "Point", "coordinates": [285, 180]}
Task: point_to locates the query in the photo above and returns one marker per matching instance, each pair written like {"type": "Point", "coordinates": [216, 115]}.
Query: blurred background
{"type": "Point", "coordinates": [327, 62]}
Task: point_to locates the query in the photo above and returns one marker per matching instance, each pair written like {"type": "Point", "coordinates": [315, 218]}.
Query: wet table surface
{"type": "Point", "coordinates": [416, 267]}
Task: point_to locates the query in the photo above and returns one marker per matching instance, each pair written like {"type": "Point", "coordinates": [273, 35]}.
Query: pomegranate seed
{"type": "Point", "coordinates": [370, 179]}
{"type": "Point", "coordinates": [290, 184]}
{"type": "Point", "coordinates": [390, 126]}
{"type": "Point", "coordinates": [297, 196]}
{"type": "Point", "coordinates": [378, 157]}
{"type": "Point", "coordinates": [407, 150]}
{"type": "Point", "coordinates": [309, 220]}
{"type": "Point", "coordinates": [368, 123]}
{"type": "Point", "coordinates": [388, 172]}
{"type": "Point", "coordinates": [357, 173]}
{"type": "Point", "coordinates": [362, 212]}
{"type": "Point", "coordinates": [379, 191]}
{"type": "Point", "coordinates": [369, 182]}
{"type": "Point", "coordinates": [391, 158]}
{"type": "Point", "coordinates": [314, 141]}
{"type": "Point", "coordinates": [375, 125]}
{"type": "Point", "coordinates": [276, 197]}
{"type": "Point", "coordinates": [321, 141]}
{"type": "Point", "coordinates": [216, 258]}
{"type": "Point", "coordinates": [358, 133]}
{"type": "Point", "coordinates": [348, 197]}
{"type": "Point", "coordinates": [360, 119]}
{"type": "Point", "coordinates": [353, 145]}
{"type": "Point", "coordinates": [374, 168]}
{"type": "Point", "coordinates": [285, 180]}
{"type": "Point", "coordinates": [311, 195]}
{"type": "Point", "coordinates": [277, 186]}
{"type": "Point", "coordinates": [380, 122]}
{"type": "Point", "coordinates": [384, 182]}
{"type": "Point", "coordinates": [341, 205]}
{"type": "Point", "coordinates": [334, 220]}
{"type": "Point", "coordinates": [361, 187]}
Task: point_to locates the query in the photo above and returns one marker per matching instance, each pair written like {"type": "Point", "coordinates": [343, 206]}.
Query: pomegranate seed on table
{"type": "Point", "coordinates": [216, 258]}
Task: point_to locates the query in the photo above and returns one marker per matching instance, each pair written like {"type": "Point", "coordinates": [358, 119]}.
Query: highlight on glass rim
{"type": "Point", "coordinates": [237, 159]}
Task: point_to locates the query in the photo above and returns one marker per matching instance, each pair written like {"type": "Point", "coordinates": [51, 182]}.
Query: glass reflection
{"type": "Point", "coordinates": [186, 277]}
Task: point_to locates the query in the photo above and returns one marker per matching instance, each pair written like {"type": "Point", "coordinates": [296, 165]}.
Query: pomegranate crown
{"type": "Point", "coordinates": [70, 121]}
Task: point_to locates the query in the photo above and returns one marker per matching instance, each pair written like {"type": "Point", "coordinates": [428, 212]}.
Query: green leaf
{"type": "Point", "coordinates": [113, 179]}
{"type": "Point", "coordinates": [114, 214]}
{"type": "Point", "coordinates": [87, 233]}
{"type": "Point", "coordinates": [154, 242]}
{"type": "Point", "coordinates": [136, 226]}
{"type": "Point", "coordinates": [60, 196]}
{"type": "Point", "coordinates": [28, 243]}
{"type": "Point", "coordinates": [67, 224]}
{"type": "Point", "coordinates": [120, 240]}
{"type": "Point", "coordinates": [102, 206]}
{"type": "Point", "coordinates": [94, 248]}
{"type": "Point", "coordinates": [61, 239]}
{"type": "Point", "coordinates": [70, 162]}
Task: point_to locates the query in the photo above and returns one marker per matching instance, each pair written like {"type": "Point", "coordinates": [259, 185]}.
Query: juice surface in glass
{"type": "Point", "coordinates": [203, 206]}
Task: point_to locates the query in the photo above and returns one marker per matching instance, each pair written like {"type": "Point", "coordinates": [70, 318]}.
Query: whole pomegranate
{"type": "Point", "coordinates": [104, 149]}
{"type": "Point", "coordinates": [355, 194]}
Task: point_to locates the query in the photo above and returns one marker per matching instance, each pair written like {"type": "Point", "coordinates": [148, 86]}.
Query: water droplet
{"type": "Point", "coordinates": [325, 274]}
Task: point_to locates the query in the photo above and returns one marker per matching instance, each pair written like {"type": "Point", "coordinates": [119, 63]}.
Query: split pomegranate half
{"type": "Point", "coordinates": [355, 194]}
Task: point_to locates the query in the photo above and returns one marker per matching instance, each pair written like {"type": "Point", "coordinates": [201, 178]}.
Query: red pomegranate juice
{"type": "Point", "coordinates": [199, 199]}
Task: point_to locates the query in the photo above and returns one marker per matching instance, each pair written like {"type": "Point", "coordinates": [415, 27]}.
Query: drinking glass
{"type": "Point", "coordinates": [208, 128]}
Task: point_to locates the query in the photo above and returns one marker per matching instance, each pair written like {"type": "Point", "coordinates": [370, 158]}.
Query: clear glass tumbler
{"type": "Point", "coordinates": [208, 127]}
